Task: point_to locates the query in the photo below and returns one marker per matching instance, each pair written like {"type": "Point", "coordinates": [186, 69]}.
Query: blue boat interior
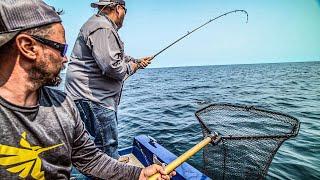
{"type": "Point", "coordinates": [146, 151]}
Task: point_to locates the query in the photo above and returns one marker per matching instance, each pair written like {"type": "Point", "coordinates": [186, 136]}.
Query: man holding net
{"type": "Point", "coordinates": [41, 130]}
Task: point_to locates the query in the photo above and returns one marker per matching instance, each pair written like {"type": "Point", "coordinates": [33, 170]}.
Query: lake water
{"type": "Point", "coordinates": [161, 103]}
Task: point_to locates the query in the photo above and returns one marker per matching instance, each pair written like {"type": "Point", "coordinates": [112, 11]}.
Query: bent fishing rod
{"type": "Point", "coordinates": [189, 33]}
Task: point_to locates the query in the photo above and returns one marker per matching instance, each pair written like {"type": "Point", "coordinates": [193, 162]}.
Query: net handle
{"type": "Point", "coordinates": [184, 157]}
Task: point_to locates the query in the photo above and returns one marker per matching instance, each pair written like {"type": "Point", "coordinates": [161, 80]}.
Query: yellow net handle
{"type": "Point", "coordinates": [184, 157]}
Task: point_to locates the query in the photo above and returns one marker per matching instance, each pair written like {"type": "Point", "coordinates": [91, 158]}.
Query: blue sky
{"type": "Point", "coordinates": [278, 30]}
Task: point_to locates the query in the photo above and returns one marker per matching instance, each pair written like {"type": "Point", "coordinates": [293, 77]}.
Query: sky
{"type": "Point", "coordinates": [277, 31]}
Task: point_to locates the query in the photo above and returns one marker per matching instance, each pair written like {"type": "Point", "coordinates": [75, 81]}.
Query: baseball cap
{"type": "Point", "coordinates": [19, 15]}
{"type": "Point", "coordinates": [107, 2]}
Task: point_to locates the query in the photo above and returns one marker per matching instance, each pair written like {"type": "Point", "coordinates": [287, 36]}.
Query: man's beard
{"type": "Point", "coordinates": [41, 76]}
{"type": "Point", "coordinates": [120, 23]}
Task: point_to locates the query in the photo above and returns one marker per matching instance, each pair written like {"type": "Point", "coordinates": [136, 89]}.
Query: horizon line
{"type": "Point", "coordinates": [284, 62]}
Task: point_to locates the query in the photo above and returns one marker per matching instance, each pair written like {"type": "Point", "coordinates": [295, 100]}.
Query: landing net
{"type": "Point", "coordinates": [250, 137]}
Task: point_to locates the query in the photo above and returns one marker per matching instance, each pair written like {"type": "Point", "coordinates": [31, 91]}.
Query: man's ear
{"type": "Point", "coordinates": [117, 9]}
{"type": "Point", "coordinates": [27, 46]}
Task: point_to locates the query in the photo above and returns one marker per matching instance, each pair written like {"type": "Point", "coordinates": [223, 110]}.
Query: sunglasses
{"type": "Point", "coordinates": [62, 48]}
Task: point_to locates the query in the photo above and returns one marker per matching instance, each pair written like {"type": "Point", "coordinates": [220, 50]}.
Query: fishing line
{"type": "Point", "coordinates": [189, 33]}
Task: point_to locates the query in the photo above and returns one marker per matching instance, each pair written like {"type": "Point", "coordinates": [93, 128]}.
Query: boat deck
{"type": "Point", "coordinates": [133, 160]}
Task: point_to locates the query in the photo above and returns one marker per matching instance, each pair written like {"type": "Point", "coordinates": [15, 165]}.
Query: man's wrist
{"type": "Point", "coordinates": [138, 66]}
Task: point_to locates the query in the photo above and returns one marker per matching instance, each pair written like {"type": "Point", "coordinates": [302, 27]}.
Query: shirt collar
{"type": "Point", "coordinates": [112, 23]}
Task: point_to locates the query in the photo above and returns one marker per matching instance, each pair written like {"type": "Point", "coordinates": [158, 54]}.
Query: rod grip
{"type": "Point", "coordinates": [151, 58]}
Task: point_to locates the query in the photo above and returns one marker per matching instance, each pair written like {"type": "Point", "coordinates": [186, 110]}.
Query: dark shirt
{"type": "Point", "coordinates": [44, 141]}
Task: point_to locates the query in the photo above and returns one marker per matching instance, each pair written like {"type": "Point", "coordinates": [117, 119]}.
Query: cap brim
{"type": "Point", "coordinates": [95, 5]}
{"type": "Point", "coordinates": [6, 37]}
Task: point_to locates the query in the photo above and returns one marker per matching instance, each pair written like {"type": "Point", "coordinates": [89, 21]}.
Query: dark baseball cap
{"type": "Point", "coordinates": [107, 2]}
{"type": "Point", "coordinates": [19, 15]}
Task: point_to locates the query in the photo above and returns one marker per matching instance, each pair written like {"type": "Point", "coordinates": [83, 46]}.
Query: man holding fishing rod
{"type": "Point", "coordinates": [41, 133]}
{"type": "Point", "coordinates": [97, 70]}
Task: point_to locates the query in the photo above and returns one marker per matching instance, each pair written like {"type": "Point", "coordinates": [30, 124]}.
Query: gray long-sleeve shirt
{"type": "Point", "coordinates": [43, 141]}
{"type": "Point", "coordinates": [98, 65]}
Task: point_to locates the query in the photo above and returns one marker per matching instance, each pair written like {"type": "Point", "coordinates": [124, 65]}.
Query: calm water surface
{"type": "Point", "coordinates": [161, 103]}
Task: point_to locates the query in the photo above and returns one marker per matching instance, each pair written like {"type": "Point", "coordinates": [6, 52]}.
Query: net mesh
{"type": "Point", "coordinates": [250, 139]}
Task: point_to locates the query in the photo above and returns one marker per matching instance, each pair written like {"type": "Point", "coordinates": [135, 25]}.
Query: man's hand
{"type": "Point", "coordinates": [153, 169]}
{"type": "Point", "coordinates": [144, 62]}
